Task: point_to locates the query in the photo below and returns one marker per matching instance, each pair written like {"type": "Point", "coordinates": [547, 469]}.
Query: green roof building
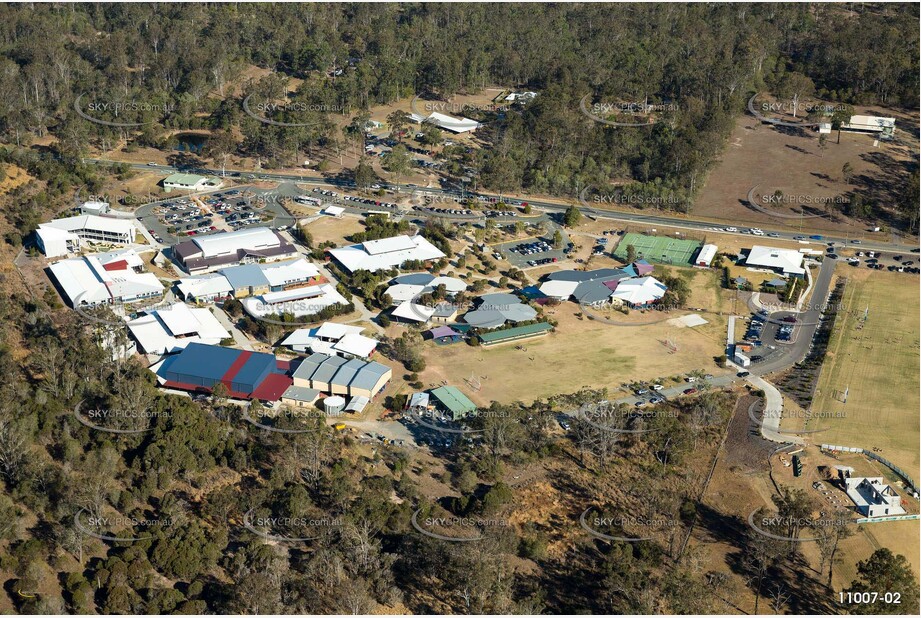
{"type": "Point", "coordinates": [515, 333]}
{"type": "Point", "coordinates": [453, 401]}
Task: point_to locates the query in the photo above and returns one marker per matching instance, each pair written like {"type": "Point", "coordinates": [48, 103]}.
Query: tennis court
{"type": "Point", "coordinates": [661, 249]}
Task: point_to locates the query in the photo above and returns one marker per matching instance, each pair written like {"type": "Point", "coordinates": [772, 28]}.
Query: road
{"type": "Point", "coordinates": [675, 221]}
{"type": "Point", "coordinates": [807, 323]}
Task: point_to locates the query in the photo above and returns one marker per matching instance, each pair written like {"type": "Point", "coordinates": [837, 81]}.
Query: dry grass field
{"type": "Point", "coordinates": [793, 162]}
{"type": "Point", "coordinates": [879, 363]}
{"type": "Point", "coordinates": [333, 229]}
{"type": "Point", "coordinates": [581, 352]}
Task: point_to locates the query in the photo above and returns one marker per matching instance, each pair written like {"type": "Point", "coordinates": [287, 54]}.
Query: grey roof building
{"type": "Point", "coordinates": [336, 375]}
{"type": "Point", "coordinates": [497, 309]}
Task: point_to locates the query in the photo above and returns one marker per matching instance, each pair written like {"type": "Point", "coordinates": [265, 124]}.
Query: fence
{"type": "Point", "coordinates": [853, 449]}
{"type": "Point", "coordinates": [873, 520]}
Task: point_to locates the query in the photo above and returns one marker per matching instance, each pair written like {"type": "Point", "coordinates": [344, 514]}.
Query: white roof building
{"type": "Point", "coordinates": [386, 253]}
{"type": "Point", "coordinates": [786, 261]}
{"type": "Point", "coordinates": [640, 291]}
{"type": "Point", "coordinates": [229, 242]}
{"type": "Point", "coordinates": [244, 246]}
{"type": "Point", "coordinates": [299, 302]}
{"type": "Point", "coordinates": [332, 338]}
{"type": "Point", "coordinates": [558, 288]}
{"type": "Point", "coordinates": [334, 211]}
{"type": "Point", "coordinates": [205, 288]}
{"type": "Point", "coordinates": [67, 235]}
{"type": "Point", "coordinates": [412, 312]}
{"type": "Point", "coordinates": [114, 277]}
{"type": "Point", "coordinates": [356, 345]}
{"type": "Point", "coordinates": [870, 124]}
{"type": "Point", "coordinates": [332, 331]}
{"type": "Point", "coordinates": [873, 497]}
{"type": "Point", "coordinates": [289, 272]}
{"type": "Point", "coordinates": [454, 125]}
{"type": "Point", "coordinates": [163, 331]}
{"type": "Point", "coordinates": [705, 256]}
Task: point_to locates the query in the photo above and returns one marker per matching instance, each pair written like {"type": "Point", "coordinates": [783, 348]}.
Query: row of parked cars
{"type": "Point", "coordinates": [357, 200]}
{"type": "Point", "coordinates": [445, 211]}
{"type": "Point", "coordinates": [530, 248]}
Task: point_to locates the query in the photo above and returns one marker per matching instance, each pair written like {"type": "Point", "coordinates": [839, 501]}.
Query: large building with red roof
{"type": "Point", "coordinates": [246, 375]}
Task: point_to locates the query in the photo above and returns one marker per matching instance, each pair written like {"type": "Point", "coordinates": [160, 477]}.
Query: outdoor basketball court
{"type": "Point", "coordinates": [661, 249]}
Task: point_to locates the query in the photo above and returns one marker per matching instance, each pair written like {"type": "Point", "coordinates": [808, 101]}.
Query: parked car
{"type": "Point", "coordinates": [690, 391]}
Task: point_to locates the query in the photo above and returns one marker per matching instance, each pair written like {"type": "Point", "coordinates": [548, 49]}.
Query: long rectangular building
{"type": "Point", "coordinates": [336, 375]}
{"type": "Point", "coordinates": [245, 246]}
{"type": "Point", "coordinates": [105, 278]}
{"type": "Point", "coordinates": [246, 375]}
{"type": "Point", "coordinates": [386, 253]}
{"type": "Point", "coordinates": [63, 236]}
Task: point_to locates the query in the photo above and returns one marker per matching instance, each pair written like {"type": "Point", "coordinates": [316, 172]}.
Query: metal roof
{"type": "Point", "coordinates": [517, 331]}
{"type": "Point", "coordinates": [328, 369]}
{"type": "Point", "coordinates": [369, 375]}
{"type": "Point", "coordinates": [301, 393]}
{"type": "Point", "coordinates": [454, 400]}
{"type": "Point", "coordinates": [309, 365]}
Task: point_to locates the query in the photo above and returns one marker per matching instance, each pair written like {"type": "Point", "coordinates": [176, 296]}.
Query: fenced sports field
{"type": "Point", "coordinates": [659, 249]}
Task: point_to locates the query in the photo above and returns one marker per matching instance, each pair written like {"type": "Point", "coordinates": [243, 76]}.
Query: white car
{"type": "Point", "coordinates": [657, 387]}
{"type": "Point", "coordinates": [757, 232]}
{"type": "Point", "coordinates": [731, 229]}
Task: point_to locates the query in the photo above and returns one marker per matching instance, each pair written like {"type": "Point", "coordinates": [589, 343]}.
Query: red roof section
{"type": "Point", "coordinates": [273, 386]}
{"type": "Point", "coordinates": [228, 377]}
{"type": "Point", "coordinates": [116, 265]}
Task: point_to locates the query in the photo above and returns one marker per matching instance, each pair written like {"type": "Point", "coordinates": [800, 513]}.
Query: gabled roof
{"type": "Point", "coordinates": [787, 260]}
{"type": "Point", "coordinates": [409, 310]}
{"type": "Point", "coordinates": [640, 291]}
{"type": "Point", "coordinates": [356, 345]}
{"type": "Point", "coordinates": [386, 253]}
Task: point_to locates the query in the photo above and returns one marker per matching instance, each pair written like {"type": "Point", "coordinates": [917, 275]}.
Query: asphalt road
{"type": "Point", "coordinates": [657, 219]}
{"type": "Point", "coordinates": [807, 323]}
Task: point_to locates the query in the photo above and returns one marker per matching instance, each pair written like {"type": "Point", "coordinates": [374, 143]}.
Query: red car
{"type": "Point", "coordinates": [690, 391]}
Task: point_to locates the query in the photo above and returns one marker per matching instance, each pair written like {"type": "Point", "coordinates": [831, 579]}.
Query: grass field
{"type": "Point", "coordinates": [879, 364]}
{"type": "Point", "coordinates": [580, 353]}
{"type": "Point", "coordinates": [659, 249]}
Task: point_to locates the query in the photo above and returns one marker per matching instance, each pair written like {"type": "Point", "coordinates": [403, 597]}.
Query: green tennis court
{"type": "Point", "coordinates": [661, 249]}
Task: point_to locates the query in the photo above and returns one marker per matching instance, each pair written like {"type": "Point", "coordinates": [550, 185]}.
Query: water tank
{"type": "Point", "coordinates": [334, 405]}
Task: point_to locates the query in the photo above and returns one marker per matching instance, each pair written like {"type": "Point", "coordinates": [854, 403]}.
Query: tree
{"type": "Point", "coordinates": [631, 254]}
{"type": "Point", "coordinates": [847, 172]}
{"type": "Point", "coordinates": [397, 161]}
{"type": "Point", "coordinates": [364, 174]}
{"type": "Point", "coordinates": [572, 217]}
{"type": "Point", "coordinates": [885, 572]}
{"type": "Point", "coordinates": [398, 121]}
{"type": "Point", "coordinates": [796, 86]}
{"type": "Point", "coordinates": [557, 239]}
{"type": "Point", "coordinates": [431, 134]}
